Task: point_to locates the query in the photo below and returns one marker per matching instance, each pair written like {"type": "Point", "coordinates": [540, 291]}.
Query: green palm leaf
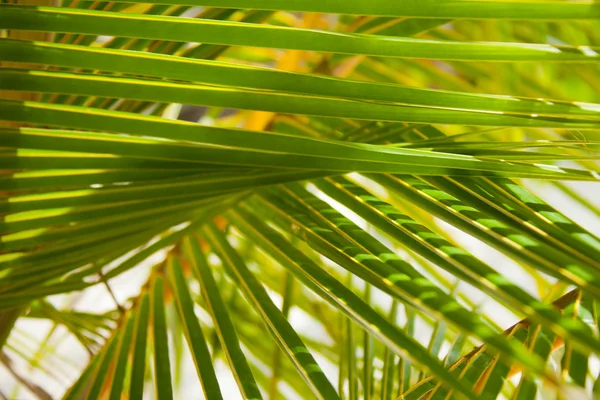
{"type": "Point", "coordinates": [298, 199]}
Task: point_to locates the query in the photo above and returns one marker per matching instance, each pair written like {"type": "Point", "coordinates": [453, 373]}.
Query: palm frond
{"type": "Point", "coordinates": [309, 191]}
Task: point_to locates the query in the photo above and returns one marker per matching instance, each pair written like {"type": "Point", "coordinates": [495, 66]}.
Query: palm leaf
{"type": "Point", "coordinates": [312, 170]}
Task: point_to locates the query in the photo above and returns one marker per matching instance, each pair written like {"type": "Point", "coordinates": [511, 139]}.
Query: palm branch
{"type": "Point", "coordinates": [299, 199]}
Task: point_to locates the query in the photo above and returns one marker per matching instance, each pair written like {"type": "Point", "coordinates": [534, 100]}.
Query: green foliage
{"type": "Point", "coordinates": [265, 166]}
